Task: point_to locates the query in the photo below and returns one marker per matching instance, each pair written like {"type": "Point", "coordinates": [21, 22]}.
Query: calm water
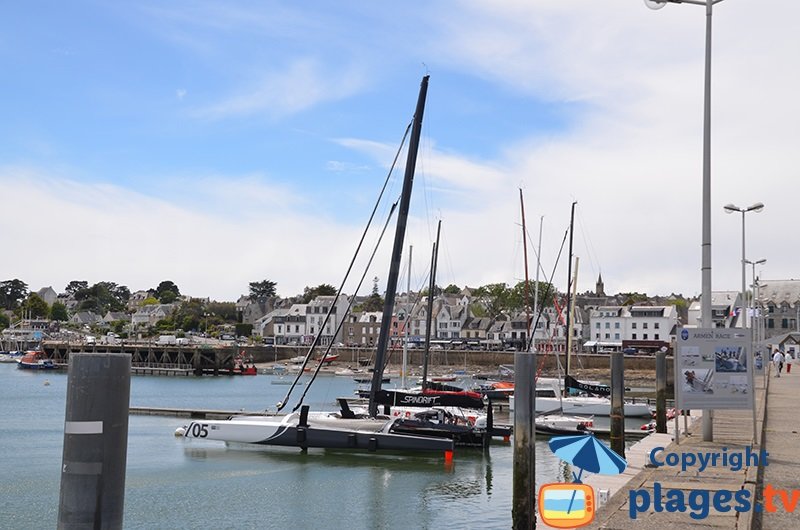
{"type": "Point", "coordinates": [175, 483]}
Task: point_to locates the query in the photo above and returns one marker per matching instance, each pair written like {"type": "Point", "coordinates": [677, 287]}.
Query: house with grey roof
{"type": "Point", "coordinates": [84, 318]}
{"type": "Point", "coordinates": [48, 295]}
{"type": "Point", "coordinates": [148, 315]}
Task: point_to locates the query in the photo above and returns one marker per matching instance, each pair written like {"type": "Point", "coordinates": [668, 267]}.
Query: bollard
{"type": "Point", "coordinates": [661, 392]}
{"type": "Point", "coordinates": [617, 403]}
{"type": "Point", "coordinates": [523, 510]}
{"type": "Point", "coordinates": [95, 441]}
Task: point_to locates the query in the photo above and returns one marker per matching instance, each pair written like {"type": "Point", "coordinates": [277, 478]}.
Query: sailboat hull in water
{"type": "Point", "coordinates": [317, 430]}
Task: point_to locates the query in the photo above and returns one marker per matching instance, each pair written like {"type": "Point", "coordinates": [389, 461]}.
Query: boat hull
{"type": "Point", "coordinates": [587, 407]}
{"type": "Point", "coordinates": [320, 431]}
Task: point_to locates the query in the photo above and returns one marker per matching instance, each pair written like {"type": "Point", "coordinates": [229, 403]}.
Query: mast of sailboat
{"type": "Point", "coordinates": [568, 330]}
{"type": "Point", "coordinates": [397, 251]}
{"type": "Point", "coordinates": [536, 286]}
{"type": "Point", "coordinates": [527, 281]}
{"type": "Point", "coordinates": [429, 315]}
{"type": "Point", "coordinates": [408, 318]}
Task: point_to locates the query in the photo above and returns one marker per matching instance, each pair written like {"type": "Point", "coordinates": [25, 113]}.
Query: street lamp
{"type": "Point", "coordinates": [753, 317]}
{"type": "Point", "coordinates": [706, 247]}
{"type": "Point", "coordinates": [730, 208]}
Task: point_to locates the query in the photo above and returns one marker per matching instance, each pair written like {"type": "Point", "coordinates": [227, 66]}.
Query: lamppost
{"type": "Point", "coordinates": [754, 321]}
{"type": "Point", "coordinates": [730, 208]}
{"type": "Point", "coordinates": [708, 430]}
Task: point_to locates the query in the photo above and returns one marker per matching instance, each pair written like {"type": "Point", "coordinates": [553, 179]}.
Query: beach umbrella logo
{"type": "Point", "coordinates": [570, 505]}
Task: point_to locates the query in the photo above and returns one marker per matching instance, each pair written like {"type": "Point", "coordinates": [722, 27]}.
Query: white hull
{"type": "Point", "coordinates": [586, 406]}
{"type": "Point", "coordinates": [321, 430]}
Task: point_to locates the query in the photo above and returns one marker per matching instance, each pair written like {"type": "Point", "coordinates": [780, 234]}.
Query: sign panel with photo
{"type": "Point", "coordinates": [713, 369]}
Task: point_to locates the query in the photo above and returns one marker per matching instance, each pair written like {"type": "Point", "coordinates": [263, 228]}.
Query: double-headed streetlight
{"type": "Point", "coordinates": [706, 247]}
{"type": "Point", "coordinates": [730, 208]}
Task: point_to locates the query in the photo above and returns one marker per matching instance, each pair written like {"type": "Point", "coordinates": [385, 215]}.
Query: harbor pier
{"type": "Point", "coordinates": [776, 435]}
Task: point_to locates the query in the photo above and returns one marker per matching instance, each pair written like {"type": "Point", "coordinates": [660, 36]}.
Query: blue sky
{"type": "Point", "coordinates": [214, 144]}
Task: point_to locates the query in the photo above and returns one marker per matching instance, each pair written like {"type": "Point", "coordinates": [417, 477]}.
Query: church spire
{"type": "Point", "coordinates": [598, 289]}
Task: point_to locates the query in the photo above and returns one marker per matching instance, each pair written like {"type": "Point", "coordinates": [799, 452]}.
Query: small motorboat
{"type": "Point", "coordinates": [35, 360]}
{"type": "Point", "coordinates": [560, 425]}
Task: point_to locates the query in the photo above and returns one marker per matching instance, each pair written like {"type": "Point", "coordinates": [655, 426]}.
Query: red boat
{"type": "Point", "coordinates": [240, 368]}
{"type": "Point", "coordinates": [331, 357]}
{"type": "Point", "coordinates": [35, 360]}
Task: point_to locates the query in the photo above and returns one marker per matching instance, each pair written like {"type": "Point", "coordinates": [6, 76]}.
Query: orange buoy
{"type": "Point", "coordinates": [448, 456]}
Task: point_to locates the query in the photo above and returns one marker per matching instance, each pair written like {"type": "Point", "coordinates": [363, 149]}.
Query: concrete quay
{"type": "Point", "coordinates": [777, 427]}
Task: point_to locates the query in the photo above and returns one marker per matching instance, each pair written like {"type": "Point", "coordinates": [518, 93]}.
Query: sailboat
{"type": "Point", "coordinates": [343, 429]}
{"type": "Point", "coordinates": [436, 409]}
{"type": "Point", "coordinates": [552, 395]}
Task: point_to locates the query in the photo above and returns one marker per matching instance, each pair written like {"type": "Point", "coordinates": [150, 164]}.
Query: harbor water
{"type": "Point", "coordinates": [176, 483]}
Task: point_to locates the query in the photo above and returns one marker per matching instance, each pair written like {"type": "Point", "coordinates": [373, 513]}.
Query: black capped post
{"type": "Point", "coordinates": [95, 441]}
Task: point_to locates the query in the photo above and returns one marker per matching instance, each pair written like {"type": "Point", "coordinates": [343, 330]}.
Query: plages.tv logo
{"type": "Point", "coordinates": [571, 505]}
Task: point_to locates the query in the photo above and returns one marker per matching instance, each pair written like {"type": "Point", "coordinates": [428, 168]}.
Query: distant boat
{"type": "Point", "coordinates": [330, 357]}
{"type": "Point", "coordinates": [35, 360]}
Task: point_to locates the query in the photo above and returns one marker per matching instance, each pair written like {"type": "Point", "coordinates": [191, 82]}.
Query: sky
{"type": "Point", "coordinates": [215, 144]}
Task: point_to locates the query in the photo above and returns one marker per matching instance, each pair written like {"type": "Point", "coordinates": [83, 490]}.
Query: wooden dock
{"type": "Point", "coordinates": [203, 414]}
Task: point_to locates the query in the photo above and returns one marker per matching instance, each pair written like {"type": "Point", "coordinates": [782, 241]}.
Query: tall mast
{"type": "Point", "coordinates": [408, 319]}
{"type": "Point", "coordinates": [536, 286]}
{"type": "Point", "coordinates": [397, 251]}
{"type": "Point", "coordinates": [568, 331]}
{"type": "Point", "coordinates": [527, 282]}
{"type": "Point", "coordinates": [429, 316]}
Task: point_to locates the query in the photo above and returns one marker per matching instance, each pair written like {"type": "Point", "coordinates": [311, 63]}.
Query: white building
{"type": "Point", "coordinates": [289, 325]}
{"type": "Point", "coordinates": [644, 325]}
{"type": "Point", "coordinates": [316, 313]}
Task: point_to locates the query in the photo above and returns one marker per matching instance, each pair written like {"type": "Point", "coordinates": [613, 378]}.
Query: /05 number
{"type": "Point", "coordinates": [197, 430]}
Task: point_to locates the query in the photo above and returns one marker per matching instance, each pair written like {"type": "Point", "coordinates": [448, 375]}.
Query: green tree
{"type": "Point", "coordinates": [167, 292]}
{"type": "Point", "coordinates": [12, 292]}
{"type": "Point", "coordinates": [150, 300]}
{"type": "Point", "coordinates": [189, 314]}
{"type": "Point", "coordinates": [633, 298]}
{"type": "Point", "coordinates": [59, 312]}
{"type": "Point", "coordinates": [76, 285]}
{"type": "Point", "coordinates": [4, 321]}
{"type": "Point", "coordinates": [102, 297]}
{"type": "Point", "coordinates": [517, 295]}
{"type": "Point", "coordinates": [323, 289]}
{"type": "Point", "coordinates": [495, 297]}
{"type": "Point", "coordinates": [262, 289]}
{"type": "Point", "coordinates": [224, 311]}
{"type": "Point", "coordinates": [373, 303]}
{"type": "Point", "coordinates": [452, 289]}
{"type": "Point", "coordinates": [165, 324]}
{"type": "Point", "coordinates": [33, 307]}
{"type": "Point", "coordinates": [244, 330]}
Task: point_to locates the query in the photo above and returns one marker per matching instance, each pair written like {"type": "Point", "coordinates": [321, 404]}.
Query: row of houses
{"type": "Point", "coordinates": [144, 316]}
{"type": "Point", "coordinates": [599, 321]}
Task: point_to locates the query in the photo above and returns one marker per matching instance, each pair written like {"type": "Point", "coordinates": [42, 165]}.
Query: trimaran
{"type": "Point", "coordinates": [344, 429]}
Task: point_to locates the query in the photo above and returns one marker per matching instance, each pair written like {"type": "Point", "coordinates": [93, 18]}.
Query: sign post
{"type": "Point", "coordinates": [714, 370]}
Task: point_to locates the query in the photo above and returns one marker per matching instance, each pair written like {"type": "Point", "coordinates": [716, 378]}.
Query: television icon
{"type": "Point", "coordinates": [565, 505]}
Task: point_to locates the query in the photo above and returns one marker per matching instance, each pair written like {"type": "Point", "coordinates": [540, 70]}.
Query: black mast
{"type": "Point", "coordinates": [568, 309]}
{"type": "Point", "coordinates": [397, 251]}
{"type": "Point", "coordinates": [429, 316]}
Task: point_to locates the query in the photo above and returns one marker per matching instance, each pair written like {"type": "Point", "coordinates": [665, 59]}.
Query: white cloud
{"type": "Point", "coordinates": [103, 232]}
{"type": "Point", "coordinates": [303, 85]}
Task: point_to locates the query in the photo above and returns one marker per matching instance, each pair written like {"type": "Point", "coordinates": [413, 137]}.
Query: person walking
{"type": "Point", "coordinates": [777, 360]}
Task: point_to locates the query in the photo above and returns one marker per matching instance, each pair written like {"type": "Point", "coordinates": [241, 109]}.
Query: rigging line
{"type": "Point", "coordinates": [408, 318]}
{"type": "Point", "coordinates": [310, 352]}
{"type": "Point", "coordinates": [593, 261]}
{"type": "Point", "coordinates": [349, 306]}
{"type": "Point", "coordinates": [547, 289]}
{"type": "Point", "coordinates": [536, 252]}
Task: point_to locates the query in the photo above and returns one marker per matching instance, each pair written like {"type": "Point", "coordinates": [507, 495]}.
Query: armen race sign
{"type": "Point", "coordinates": [713, 369]}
